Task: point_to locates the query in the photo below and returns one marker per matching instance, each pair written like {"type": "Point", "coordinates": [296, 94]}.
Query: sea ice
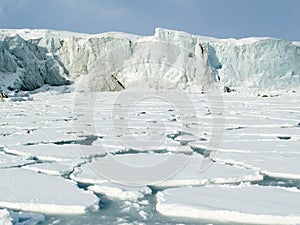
{"type": "Point", "coordinates": [201, 171]}
{"type": "Point", "coordinates": [7, 161]}
{"type": "Point", "coordinates": [30, 191]}
{"type": "Point", "coordinates": [120, 192]}
{"type": "Point", "coordinates": [53, 152]}
{"type": "Point", "coordinates": [138, 169]}
{"type": "Point", "coordinates": [27, 218]}
{"type": "Point", "coordinates": [52, 168]}
{"type": "Point", "coordinates": [280, 165]}
{"type": "Point", "coordinates": [232, 204]}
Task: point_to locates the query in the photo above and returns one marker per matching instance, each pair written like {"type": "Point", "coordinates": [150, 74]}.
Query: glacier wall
{"type": "Point", "coordinates": [114, 61]}
{"type": "Point", "coordinates": [26, 66]}
{"type": "Point", "coordinates": [258, 63]}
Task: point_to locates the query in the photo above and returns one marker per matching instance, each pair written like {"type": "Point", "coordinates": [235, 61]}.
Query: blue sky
{"type": "Point", "coordinates": [217, 18]}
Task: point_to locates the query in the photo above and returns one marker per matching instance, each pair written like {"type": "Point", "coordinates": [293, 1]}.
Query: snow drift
{"type": "Point", "coordinates": [114, 61]}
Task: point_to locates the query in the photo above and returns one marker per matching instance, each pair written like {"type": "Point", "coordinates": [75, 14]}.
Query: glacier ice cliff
{"type": "Point", "coordinates": [114, 61]}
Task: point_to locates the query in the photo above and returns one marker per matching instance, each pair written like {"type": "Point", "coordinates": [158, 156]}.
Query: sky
{"type": "Point", "coordinates": [215, 18]}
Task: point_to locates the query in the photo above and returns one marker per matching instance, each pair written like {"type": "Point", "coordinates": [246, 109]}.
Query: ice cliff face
{"type": "Point", "coordinates": [25, 65]}
{"type": "Point", "coordinates": [114, 61]}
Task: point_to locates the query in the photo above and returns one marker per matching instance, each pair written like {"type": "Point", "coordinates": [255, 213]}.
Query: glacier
{"type": "Point", "coordinates": [114, 61]}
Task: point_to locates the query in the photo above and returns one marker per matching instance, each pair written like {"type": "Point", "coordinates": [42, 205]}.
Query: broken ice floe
{"type": "Point", "coordinates": [30, 191]}
{"type": "Point", "coordinates": [232, 204]}
{"type": "Point", "coordinates": [120, 192]}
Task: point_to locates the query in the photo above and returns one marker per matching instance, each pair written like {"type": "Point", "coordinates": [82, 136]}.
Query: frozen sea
{"type": "Point", "coordinates": [71, 157]}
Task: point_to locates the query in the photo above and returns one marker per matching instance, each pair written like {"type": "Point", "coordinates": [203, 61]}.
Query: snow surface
{"type": "Point", "coordinates": [233, 204]}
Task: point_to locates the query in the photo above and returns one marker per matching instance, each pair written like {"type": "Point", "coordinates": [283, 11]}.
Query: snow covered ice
{"type": "Point", "coordinates": [26, 190]}
{"type": "Point", "coordinates": [237, 204]}
{"type": "Point", "coordinates": [144, 155]}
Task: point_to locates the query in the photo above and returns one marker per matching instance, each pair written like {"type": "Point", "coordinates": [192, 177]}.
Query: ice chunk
{"type": "Point", "coordinates": [5, 218]}
{"type": "Point", "coordinates": [27, 218]}
{"type": "Point", "coordinates": [88, 175]}
{"type": "Point", "coordinates": [29, 191]}
{"type": "Point", "coordinates": [232, 204]}
{"type": "Point", "coordinates": [120, 192]}
{"type": "Point", "coordinates": [185, 139]}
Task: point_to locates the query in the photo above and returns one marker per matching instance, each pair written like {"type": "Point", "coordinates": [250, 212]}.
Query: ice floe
{"type": "Point", "coordinates": [232, 204]}
{"type": "Point", "coordinates": [54, 152]}
{"type": "Point", "coordinates": [52, 168]}
{"type": "Point", "coordinates": [29, 191]}
{"type": "Point", "coordinates": [280, 165]}
{"type": "Point", "coordinates": [7, 161]}
{"type": "Point", "coordinates": [197, 171]}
